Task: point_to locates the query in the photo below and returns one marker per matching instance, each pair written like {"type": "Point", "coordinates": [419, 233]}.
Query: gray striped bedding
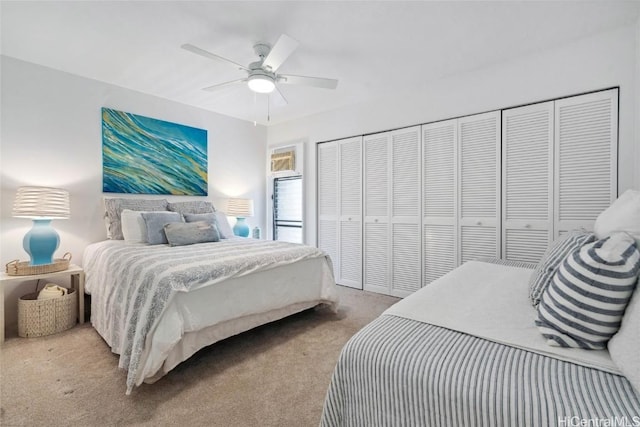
{"type": "Point", "coordinates": [402, 372]}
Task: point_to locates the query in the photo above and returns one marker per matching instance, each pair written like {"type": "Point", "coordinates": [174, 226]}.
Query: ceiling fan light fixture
{"type": "Point", "coordinates": [261, 83]}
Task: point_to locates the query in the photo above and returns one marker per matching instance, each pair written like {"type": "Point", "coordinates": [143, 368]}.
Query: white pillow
{"type": "Point", "coordinates": [624, 346]}
{"type": "Point", "coordinates": [622, 215]}
{"type": "Point", "coordinates": [223, 226]}
{"type": "Point", "coordinates": [134, 228]}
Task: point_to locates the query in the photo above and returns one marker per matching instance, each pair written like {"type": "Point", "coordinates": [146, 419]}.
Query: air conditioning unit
{"type": "Point", "coordinates": [284, 161]}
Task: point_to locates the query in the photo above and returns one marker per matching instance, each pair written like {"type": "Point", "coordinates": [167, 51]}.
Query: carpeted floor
{"type": "Point", "coordinates": [275, 375]}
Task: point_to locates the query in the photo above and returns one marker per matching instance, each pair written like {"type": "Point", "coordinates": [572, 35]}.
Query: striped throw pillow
{"type": "Point", "coordinates": [584, 304]}
{"type": "Point", "coordinates": [553, 256]}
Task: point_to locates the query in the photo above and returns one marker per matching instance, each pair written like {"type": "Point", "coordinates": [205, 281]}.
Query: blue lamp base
{"type": "Point", "coordinates": [241, 228]}
{"type": "Point", "coordinates": [41, 242]}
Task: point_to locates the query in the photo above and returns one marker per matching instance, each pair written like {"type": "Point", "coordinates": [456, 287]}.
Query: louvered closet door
{"type": "Point", "coordinates": [479, 186]}
{"type": "Point", "coordinates": [586, 137]}
{"type": "Point", "coordinates": [439, 182]}
{"type": "Point", "coordinates": [406, 274]}
{"type": "Point", "coordinates": [377, 168]}
{"type": "Point", "coordinates": [527, 181]}
{"type": "Point", "coordinates": [327, 155]}
{"type": "Point", "coordinates": [350, 207]}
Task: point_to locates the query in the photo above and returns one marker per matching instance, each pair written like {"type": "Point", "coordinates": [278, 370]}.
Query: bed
{"type": "Point", "coordinates": [156, 305]}
{"type": "Point", "coordinates": [464, 350]}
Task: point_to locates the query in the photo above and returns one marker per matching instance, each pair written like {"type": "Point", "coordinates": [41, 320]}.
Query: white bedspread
{"type": "Point", "coordinates": [491, 301]}
{"type": "Point", "coordinates": [135, 287]}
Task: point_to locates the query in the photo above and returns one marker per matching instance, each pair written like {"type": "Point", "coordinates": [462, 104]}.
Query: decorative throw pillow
{"type": "Point", "coordinates": [622, 215]}
{"type": "Point", "coordinates": [207, 217]}
{"type": "Point", "coordinates": [192, 207]}
{"type": "Point", "coordinates": [113, 208]}
{"type": "Point", "coordinates": [624, 346]}
{"type": "Point", "coordinates": [584, 304]}
{"type": "Point", "coordinates": [155, 222]}
{"type": "Point", "coordinates": [189, 233]}
{"type": "Point", "coordinates": [553, 256]}
{"type": "Point", "coordinates": [133, 226]}
{"type": "Point", "coordinates": [223, 226]}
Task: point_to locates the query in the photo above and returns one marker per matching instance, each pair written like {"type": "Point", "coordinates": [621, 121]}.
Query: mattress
{"type": "Point", "coordinates": [155, 306]}
{"type": "Point", "coordinates": [402, 370]}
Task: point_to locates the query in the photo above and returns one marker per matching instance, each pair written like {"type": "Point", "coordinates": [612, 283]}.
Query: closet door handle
{"type": "Point", "coordinates": [479, 223]}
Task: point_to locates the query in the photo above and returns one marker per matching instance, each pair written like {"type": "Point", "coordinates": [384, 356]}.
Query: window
{"type": "Point", "coordinates": [287, 209]}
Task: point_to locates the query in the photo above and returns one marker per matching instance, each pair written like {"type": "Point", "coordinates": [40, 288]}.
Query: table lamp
{"type": "Point", "coordinates": [240, 208]}
{"type": "Point", "coordinates": [42, 204]}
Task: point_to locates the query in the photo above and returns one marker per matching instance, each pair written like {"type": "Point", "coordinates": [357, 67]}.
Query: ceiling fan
{"type": "Point", "coordinates": [261, 75]}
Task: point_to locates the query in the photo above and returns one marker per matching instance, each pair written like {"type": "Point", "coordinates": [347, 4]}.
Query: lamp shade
{"type": "Point", "coordinates": [241, 208]}
{"type": "Point", "coordinates": [41, 202]}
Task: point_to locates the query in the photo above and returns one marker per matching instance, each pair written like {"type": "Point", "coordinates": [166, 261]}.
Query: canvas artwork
{"type": "Point", "coordinates": [141, 155]}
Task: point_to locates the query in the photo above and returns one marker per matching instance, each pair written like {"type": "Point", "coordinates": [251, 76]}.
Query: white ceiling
{"type": "Point", "coordinates": [374, 48]}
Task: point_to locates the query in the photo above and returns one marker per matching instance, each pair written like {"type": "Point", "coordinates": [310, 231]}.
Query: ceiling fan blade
{"type": "Point", "coordinates": [223, 85]}
{"type": "Point", "coordinates": [206, 54]}
{"type": "Point", "coordinates": [308, 81]}
{"type": "Point", "coordinates": [280, 52]}
{"type": "Point", "coordinates": [278, 97]}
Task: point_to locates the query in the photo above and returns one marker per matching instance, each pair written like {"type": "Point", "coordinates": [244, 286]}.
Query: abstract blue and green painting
{"type": "Point", "coordinates": [141, 155]}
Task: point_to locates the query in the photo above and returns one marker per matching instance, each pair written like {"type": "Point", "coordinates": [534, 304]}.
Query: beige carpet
{"type": "Point", "coordinates": [275, 375]}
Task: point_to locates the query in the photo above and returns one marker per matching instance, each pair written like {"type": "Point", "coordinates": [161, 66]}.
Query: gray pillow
{"type": "Point", "coordinates": [189, 233]}
{"type": "Point", "coordinates": [192, 207]}
{"type": "Point", "coordinates": [155, 222]}
{"type": "Point", "coordinates": [207, 217]}
{"type": "Point", "coordinates": [223, 225]}
{"type": "Point", "coordinates": [584, 304]}
{"type": "Point", "coordinates": [552, 258]}
{"type": "Point", "coordinates": [113, 208]}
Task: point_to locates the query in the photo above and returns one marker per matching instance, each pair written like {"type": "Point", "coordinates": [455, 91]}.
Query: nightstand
{"type": "Point", "coordinates": [74, 272]}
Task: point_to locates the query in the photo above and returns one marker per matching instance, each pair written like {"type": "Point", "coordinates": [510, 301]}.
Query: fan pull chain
{"type": "Point", "coordinates": [255, 110]}
{"type": "Point", "coordinates": [268, 108]}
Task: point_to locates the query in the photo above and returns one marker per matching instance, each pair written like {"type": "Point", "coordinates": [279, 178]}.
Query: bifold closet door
{"type": "Point", "coordinates": [328, 168]}
{"type": "Point", "coordinates": [377, 168]}
{"type": "Point", "coordinates": [406, 254]}
{"type": "Point", "coordinates": [527, 181]}
{"type": "Point", "coordinates": [439, 183]}
{"type": "Point", "coordinates": [392, 212]}
{"type": "Point", "coordinates": [339, 208]}
{"type": "Point", "coordinates": [479, 186]}
{"type": "Point", "coordinates": [586, 139]}
{"type": "Point", "coordinates": [350, 208]}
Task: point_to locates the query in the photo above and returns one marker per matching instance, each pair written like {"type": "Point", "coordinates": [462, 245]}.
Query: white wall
{"type": "Point", "coordinates": [597, 62]}
{"type": "Point", "coordinates": [51, 135]}
{"type": "Point", "coordinates": [637, 112]}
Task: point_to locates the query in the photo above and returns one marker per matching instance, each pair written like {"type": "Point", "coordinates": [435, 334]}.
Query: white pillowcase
{"type": "Point", "coordinates": [223, 226]}
{"type": "Point", "coordinates": [134, 228]}
{"type": "Point", "coordinates": [622, 215]}
{"type": "Point", "coordinates": [624, 346]}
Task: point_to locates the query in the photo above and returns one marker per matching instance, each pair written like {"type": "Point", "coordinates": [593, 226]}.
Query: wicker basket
{"type": "Point", "coordinates": [17, 268]}
{"type": "Point", "coordinates": [37, 318]}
